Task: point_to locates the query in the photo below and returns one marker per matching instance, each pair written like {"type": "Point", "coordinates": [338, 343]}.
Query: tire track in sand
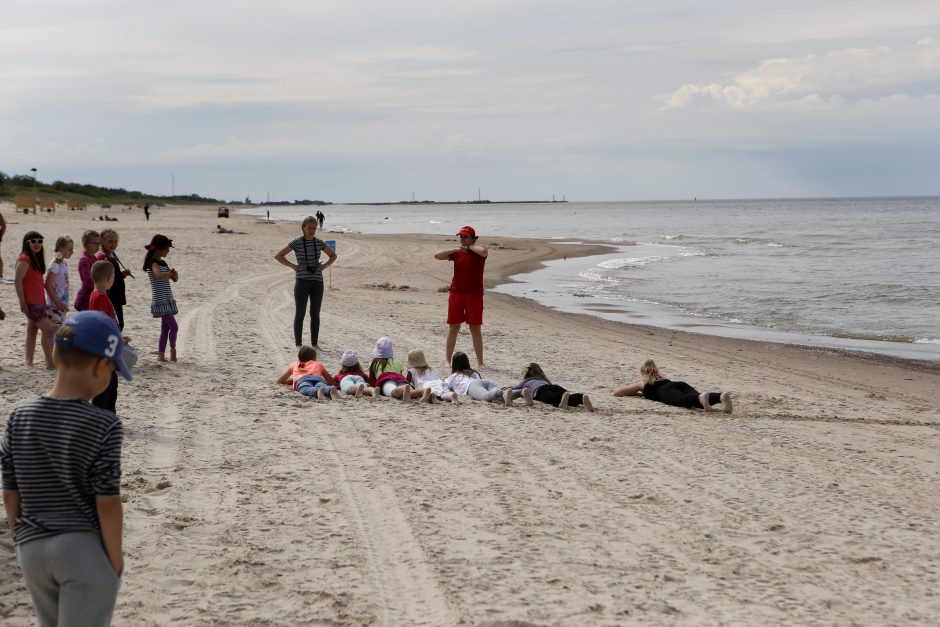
{"type": "Point", "coordinates": [408, 591]}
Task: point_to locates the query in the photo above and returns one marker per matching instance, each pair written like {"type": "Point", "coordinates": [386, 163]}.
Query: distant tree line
{"type": "Point", "coordinates": [25, 182]}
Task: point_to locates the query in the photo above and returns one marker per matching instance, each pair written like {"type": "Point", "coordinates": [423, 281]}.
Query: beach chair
{"type": "Point", "coordinates": [25, 202]}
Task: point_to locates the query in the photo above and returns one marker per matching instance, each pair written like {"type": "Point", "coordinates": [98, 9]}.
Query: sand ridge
{"type": "Point", "coordinates": [814, 502]}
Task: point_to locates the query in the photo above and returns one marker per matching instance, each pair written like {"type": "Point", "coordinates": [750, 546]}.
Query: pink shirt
{"type": "Point", "coordinates": [88, 286]}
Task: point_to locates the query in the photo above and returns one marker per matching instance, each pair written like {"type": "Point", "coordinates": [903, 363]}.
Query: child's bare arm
{"type": "Point", "coordinates": [633, 389]}
{"type": "Point", "coordinates": [50, 290]}
{"type": "Point", "coordinates": [11, 503]}
{"type": "Point", "coordinates": [158, 273]}
{"type": "Point", "coordinates": [111, 519]}
{"type": "Point", "coordinates": [285, 378]}
{"type": "Point", "coordinates": [328, 377]}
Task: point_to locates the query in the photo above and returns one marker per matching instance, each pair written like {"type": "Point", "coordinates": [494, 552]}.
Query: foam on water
{"type": "Point", "coordinates": [846, 269]}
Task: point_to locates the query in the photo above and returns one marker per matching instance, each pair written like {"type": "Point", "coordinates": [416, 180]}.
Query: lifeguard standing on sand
{"type": "Point", "coordinates": [465, 303]}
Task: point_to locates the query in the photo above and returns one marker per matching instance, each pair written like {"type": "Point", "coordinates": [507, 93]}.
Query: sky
{"type": "Point", "coordinates": [379, 100]}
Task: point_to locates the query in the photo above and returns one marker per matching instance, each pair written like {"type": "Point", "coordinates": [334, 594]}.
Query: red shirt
{"type": "Point", "coordinates": [468, 272]}
{"type": "Point", "coordinates": [34, 288]}
{"type": "Point", "coordinates": [99, 301]}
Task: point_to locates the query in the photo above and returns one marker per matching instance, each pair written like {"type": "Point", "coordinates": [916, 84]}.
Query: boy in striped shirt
{"type": "Point", "coordinates": [60, 458]}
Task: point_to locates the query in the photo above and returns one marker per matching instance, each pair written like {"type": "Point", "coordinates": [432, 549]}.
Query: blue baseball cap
{"type": "Point", "coordinates": [97, 334]}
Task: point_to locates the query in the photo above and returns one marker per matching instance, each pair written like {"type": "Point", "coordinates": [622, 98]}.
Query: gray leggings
{"type": "Point", "coordinates": [486, 390]}
{"type": "Point", "coordinates": [312, 291]}
{"type": "Point", "coordinates": [70, 579]}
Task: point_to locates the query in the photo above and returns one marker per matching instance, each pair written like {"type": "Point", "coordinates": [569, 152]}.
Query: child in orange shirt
{"type": "Point", "coordinates": [309, 376]}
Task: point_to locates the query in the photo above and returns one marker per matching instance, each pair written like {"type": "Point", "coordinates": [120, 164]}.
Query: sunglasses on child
{"type": "Point", "coordinates": [35, 241]}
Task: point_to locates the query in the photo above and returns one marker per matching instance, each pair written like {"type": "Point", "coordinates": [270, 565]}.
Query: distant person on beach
{"type": "Point", "coordinates": [309, 377]}
{"type": "Point", "coordinates": [61, 464]}
{"type": "Point", "coordinates": [3, 230]}
{"type": "Point", "coordinates": [162, 304]}
{"type": "Point", "coordinates": [147, 211]}
{"type": "Point", "coordinates": [57, 280]}
{"type": "Point", "coordinates": [308, 283]}
{"type": "Point", "coordinates": [465, 303]}
{"type": "Point", "coordinates": [655, 387]}
{"type": "Point", "coordinates": [467, 381]}
{"type": "Point", "coordinates": [109, 244]}
{"type": "Point", "coordinates": [320, 218]}
{"type": "Point", "coordinates": [389, 375]}
{"type": "Point", "coordinates": [535, 385]}
{"type": "Point", "coordinates": [91, 242]}
{"type": "Point", "coordinates": [31, 291]}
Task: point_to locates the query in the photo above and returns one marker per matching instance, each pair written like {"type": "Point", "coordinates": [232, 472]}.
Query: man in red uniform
{"type": "Point", "coordinates": [465, 303]}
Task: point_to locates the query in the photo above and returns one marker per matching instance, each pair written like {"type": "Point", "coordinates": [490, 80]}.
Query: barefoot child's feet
{"type": "Point", "coordinates": [726, 402]}
{"type": "Point", "coordinates": [376, 393]}
{"type": "Point", "coordinates": [564, 401]}
{"type": "Point", "coordinates": [586, 401]}
{"type": "Point", "coordinates": [320, 394]}
{"type": "Point", "coordinates": [507, 398]}
{"type": "Point", "coordinates": [426, 395]}
{"type": "Point", "coordinates": [359, 389]}
{"type": "Point", "coordinates": [703, 399]}
{"type": "Point", "coordinates": [334, 394]}
{"type": "Point", "coordinates": [527, 397]}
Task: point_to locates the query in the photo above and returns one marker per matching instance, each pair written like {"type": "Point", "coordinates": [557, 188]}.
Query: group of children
{"type": "Point", "coordinates": [415, 379]}
{"type": "Point", "coordinates": [43, 292]}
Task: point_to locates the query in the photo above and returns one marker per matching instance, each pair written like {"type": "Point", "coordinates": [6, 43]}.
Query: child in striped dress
{"type": "Point", "coordinates": [162, 304]}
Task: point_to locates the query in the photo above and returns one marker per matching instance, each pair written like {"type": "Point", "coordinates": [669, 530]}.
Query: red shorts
{"type": "Point", "coordinates": [465, 308]}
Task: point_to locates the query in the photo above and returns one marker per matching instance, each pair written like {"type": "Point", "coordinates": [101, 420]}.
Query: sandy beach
{"type": "Point", "coordinates": [815, 502]}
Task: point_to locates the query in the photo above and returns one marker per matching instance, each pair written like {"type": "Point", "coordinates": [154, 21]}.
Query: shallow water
{"type": "Point", "coordinates": [853, 273]}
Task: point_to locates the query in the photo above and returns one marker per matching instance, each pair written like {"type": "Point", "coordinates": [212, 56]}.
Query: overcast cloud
{"type": "Point", "coordinates": [374, 100]}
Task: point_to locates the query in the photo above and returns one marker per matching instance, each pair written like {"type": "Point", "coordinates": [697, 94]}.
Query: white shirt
{"type": "Point", "coordinates": [60, 282]}
{"type": "Point", "coordinates": [459, 382]}
{"type": "Point", "coordinates": [430, 379]}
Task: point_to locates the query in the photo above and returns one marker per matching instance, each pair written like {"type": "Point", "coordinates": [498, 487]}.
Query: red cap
{"type": "Point", "coordinates": [467, 230]}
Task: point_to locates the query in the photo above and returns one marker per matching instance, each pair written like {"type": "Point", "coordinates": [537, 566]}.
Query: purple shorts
{"type": "Point", "coordinates": [36, 313]}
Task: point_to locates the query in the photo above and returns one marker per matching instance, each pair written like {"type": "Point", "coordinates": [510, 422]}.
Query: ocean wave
{"type": "Point", "coordinates": [692, 252]}
{"type": "Point", "coordinates": [670, 237]}
{"type": "Point", "coordinates": [926, 340]}
{"type": "Point", "coordinates": [776, 245]}
{"type": "Point", "coordinates": [628, 262]}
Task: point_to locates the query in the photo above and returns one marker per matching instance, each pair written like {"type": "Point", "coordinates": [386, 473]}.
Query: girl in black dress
{"type": "Point", "coordinates": [655, 387]}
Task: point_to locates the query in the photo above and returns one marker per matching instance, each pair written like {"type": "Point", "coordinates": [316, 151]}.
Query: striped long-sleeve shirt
{"type": "Point", "coordinates": [60, 454]}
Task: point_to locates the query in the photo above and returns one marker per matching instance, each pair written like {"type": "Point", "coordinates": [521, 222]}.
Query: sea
{"type": "Point", "coordinates": [857, 274]}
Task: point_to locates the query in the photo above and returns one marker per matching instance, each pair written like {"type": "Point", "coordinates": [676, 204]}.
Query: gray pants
{"type": "Point", "coordinates": [486, 390]}
{"type": "Point", "coordinates": [70, 579]}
